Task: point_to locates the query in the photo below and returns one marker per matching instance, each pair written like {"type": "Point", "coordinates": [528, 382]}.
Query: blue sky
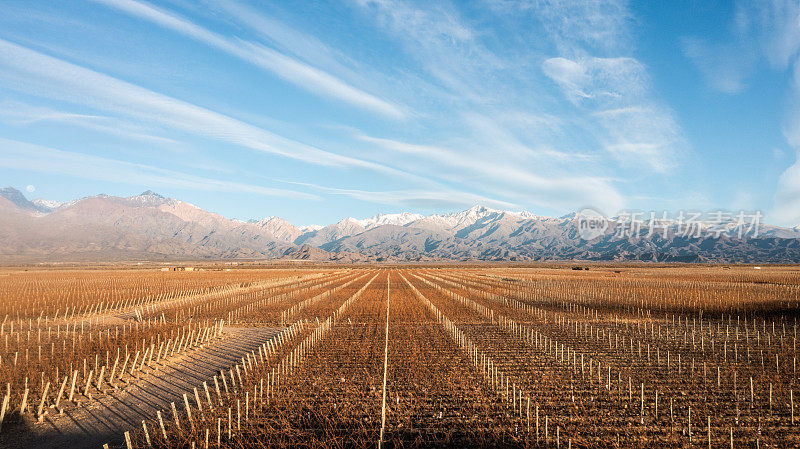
{"type": "Point", "coordinates": [314, 111]}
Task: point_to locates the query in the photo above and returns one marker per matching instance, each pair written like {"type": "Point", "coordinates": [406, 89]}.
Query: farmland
{"type": "Point", "coordinates": [343, 357]}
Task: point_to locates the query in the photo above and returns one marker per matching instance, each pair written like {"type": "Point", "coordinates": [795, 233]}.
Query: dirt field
{"type": "Point", "coordinates": [405, 357]}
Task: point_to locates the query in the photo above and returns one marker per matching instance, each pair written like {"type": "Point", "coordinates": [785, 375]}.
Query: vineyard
{"type": "Point", "coordinates": [400, 357]}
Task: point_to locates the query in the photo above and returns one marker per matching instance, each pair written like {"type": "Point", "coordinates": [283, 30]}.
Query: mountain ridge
{"type": "Point", "coordinates": [153, 227]}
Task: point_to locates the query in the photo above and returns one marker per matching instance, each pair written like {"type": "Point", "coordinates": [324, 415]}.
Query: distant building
{"type": "Point", "coordinates": [179, 269]}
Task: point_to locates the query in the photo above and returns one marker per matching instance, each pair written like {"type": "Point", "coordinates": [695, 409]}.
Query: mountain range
{"type": "Point", "coordinates": [152, 227]}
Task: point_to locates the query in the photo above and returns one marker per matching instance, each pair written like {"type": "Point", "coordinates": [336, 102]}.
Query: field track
{"type": "Point", "coordinates": [104, 420]}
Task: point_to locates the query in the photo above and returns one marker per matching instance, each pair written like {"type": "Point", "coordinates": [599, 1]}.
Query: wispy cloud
{"type": "Point", "coordinates": [786, 210]}
{"type": "Point", "coordinates": [767, 34]}
{"type": "Point", "coordinates": [786, 207]}
{"type": "Point", "coordinates": [614, 93]}
{"type": "Point", "coordinates": [611, 104]}
{"type": "Point", "coordinates": [575, 26]}
{"type": "Point", "coordinates": [529, 187]}
{"type": "Point", "coordinates": [436, 199]}
{"type": "Point", "coordinates": [304, 46]}
{"type": "Point", "coordinates": [761, 31]}
{"type": "Point", "coordinates": [23, 114]}
{"type": "Point", "coordinates": [445, 47]}
{"type": "Point", "coordinates": [609, 89]}
{"type": "Point", "coordinates": [43, 75]}
{"type": "Point", "coordinates": [25, 156]}
{"type": "Point", "coordinates": [291, 70]}
{"type": "Point", "coordinates": [724, 67]}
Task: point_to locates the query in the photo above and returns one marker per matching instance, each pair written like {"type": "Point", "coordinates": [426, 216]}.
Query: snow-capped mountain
{"type": "Point", "coordinates": [454, 222]}
{"type": "Point", "coordinates": [47, 205]}
{"type": "Point", "coordinates": [400, 219]}
{"type": "Point", "coordinates": [150, 226]}
{"type": "Point", "coordinates": [16, 198]}
{"type": "Point", "coordinates": [310, 228]}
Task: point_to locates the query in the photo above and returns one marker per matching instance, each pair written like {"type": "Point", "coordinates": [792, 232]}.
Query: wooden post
{"type": "Point", "coordinates": [146, 434]}
{"type": "Point", "coordinates": [546, 433]}
{"type": "Point", "coordinates": [219, 396]}
{"type": "Point", "coordinates": [72, 386]}
{"type": "Point", "coordinates": [40, 411]}
{"type": "Point", "coordinates": [128, 443]}
{"type": "Point", "coordinates": [642, 402]}
{"type": "Point", "coordinates": [4, 408]}
{"type": "Point", "coordinates": [23, 407]}
{"type": "Point", "coordinates": [113, 371]}
{"type": "Point", "coordinates": [175, 415]}
{"type": "Point", "coordinates": [208, 397]}
{"type": "Point", "coordinates": [188, 410]}
{"type": "Point", "coordinates": [133, 364]}
{"type": "Point", "coordinates": [225, 384]}
{"type": "Point", "coordinates": [99, 382]}
{"type": "Point", "coordinates": [88, 383]}
{"type": "Point", "coordinates": [655, 413]}
{"type": "Point", "coordinates": [61, 390]}
{"type": "Point", "coordinates": [528, 413]}
{"type": "Point", "coordinates": [124, 365]}
{"type": "Point", "coordinates": [197, 400]}
{"type": "Point", "coordinates": [161, 424]}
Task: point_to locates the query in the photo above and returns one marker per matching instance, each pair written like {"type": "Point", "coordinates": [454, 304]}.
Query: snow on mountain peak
{"type": "Point", "coordinates": [526, 215]}
{"type": "Point", "coordinates": [400, 219]}
{"type": "Point", "coordinates": [48, 205]}
{"type": "Point", "coordinates": [150, 198]}
{"type": "Point", "coordinates": [310, 228]}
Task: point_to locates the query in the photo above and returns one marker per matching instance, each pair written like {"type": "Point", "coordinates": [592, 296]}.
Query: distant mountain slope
{"type": "Point", "coordinates": [145, 226]}
{"type": "Point", "coordinates": [16, 198]}
{"type": "Point", "coordinates": [152, 227]}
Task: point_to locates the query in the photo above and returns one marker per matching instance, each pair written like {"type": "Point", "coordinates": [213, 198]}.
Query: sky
{"type": "Point", "coordinates": [315, 111]}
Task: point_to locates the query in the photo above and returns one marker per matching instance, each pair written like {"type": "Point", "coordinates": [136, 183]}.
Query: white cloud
{"type": "Point", "coordinates": [777, 25]}
{"type": "Point", "coordinates": [599, 82]}
{"type": "Point", "coordinates": [596, 25]}
{"type": "Point", "coordinates": [558, 192]}
{"type": "Point", "coordinates": [786, 210]}
{"type": "Point", "coordinates": [291, 70]}
{"type": "Point", "coordinates": [302, 45]}
{"type": "Point", "coordinates": [761, 30]}
{"type": "Point", "coordinates": [615, 93]}
{"type": "Point", "coordinates": [570, 76]}
{"type": "Point", "coordinates": [445, 47]}
{"type": "Point", "coordinates": [724, 67]}
{"type": "Point", "coordinates": [26, 70]}
{"type": "Point", "coordinates": [786, 202]}
{"type": "Point", "coordinates": [22, 114]}
{"type": "Point", "coordinates": [441, 198]}
{"type": "Point", "coordinates": [25, 156]}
